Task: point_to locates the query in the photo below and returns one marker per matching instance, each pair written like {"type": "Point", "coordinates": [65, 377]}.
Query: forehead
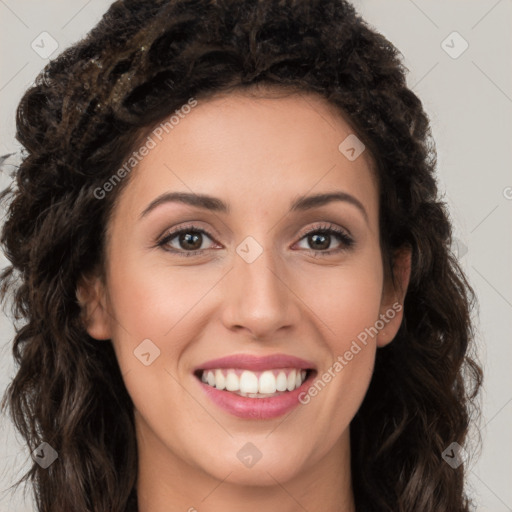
{"type": "Point", "coordinates": [252, 149]}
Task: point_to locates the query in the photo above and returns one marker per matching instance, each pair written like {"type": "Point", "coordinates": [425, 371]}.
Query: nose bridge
{"type": "Point", "coordinates": [259, 299]}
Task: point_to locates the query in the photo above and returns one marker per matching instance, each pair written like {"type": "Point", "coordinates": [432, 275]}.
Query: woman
{"type": "Point", "coordinates": [234, 270]}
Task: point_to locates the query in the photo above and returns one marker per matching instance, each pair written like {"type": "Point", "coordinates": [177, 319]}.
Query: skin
{"type": "Point", "coordinates": [258, 154]}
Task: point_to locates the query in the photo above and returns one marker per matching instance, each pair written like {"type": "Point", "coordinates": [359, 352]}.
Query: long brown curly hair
{"type": "Point", "coordinates": [87, 111]}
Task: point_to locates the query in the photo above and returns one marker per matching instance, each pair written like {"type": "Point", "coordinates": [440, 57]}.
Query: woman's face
{"type": "Point", "coordinates": [252, 285]}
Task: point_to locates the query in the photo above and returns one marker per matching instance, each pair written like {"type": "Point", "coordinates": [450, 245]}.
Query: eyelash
{"type": "Point", "coordinates": [328, 229]}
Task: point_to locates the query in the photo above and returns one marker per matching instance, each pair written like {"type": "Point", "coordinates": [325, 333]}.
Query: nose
{"type": "Point", "coordinates": [259, 298]}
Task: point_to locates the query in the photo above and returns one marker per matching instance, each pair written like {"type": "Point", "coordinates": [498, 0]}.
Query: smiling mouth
{"type": "Point", "coordinates": [258, 384]}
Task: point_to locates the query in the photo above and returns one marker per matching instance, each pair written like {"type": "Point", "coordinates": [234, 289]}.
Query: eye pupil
{"type": "Point", "coordinates": [187, 238]}
{"type": "Point", "coordinates": [316, 238]}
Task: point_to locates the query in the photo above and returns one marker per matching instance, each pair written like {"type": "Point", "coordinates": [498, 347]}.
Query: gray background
{"type": "Point", "coordinates": [469, 101]}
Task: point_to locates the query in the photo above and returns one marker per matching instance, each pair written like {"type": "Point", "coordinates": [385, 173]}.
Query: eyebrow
{"type": "Point", "coordinates": [214, 204]}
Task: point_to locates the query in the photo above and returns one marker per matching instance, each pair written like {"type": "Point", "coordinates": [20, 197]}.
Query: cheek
{"type": "Point", "coordinates": [346, 300]}
{"type": "Point", "coordinates": [159, 305]}
{"type": "Point", "coordinates": [156, 303]}
{"type": "Point", "coordinates": [347, 304]}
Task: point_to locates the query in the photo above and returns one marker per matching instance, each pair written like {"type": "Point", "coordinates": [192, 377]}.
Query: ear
{"type": "Point", "coordinates": [91, 295]}
{"type": "Point", "coordinates": [392, 301]}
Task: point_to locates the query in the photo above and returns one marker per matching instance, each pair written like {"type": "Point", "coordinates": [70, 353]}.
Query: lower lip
{"type": "Point", "coordinates": [256, 408]}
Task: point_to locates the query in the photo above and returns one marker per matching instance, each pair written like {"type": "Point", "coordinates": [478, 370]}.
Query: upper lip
{"type": "Point", "coordinates": [257, 363]}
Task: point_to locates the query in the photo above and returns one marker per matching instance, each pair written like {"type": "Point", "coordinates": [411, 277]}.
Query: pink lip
{"type": "Point", "coordinates": [256, 408]}
{"type": "Point", "coordinates": [255, 363]}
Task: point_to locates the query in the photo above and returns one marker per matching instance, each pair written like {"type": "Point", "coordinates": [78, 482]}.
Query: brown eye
{"type": "Point", "coordinates": [319, 240]}
{"type": "Point", "coordinates": [190, 241]}
{"type": "Point", "coordinates": [186, 241]}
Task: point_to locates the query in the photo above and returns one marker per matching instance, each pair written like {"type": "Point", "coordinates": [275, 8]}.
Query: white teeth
{"type": "Point", "coordinates": [254, 384]}
{"type": "Point", "coordinates": [267, 383]}
{"type": "Point", "coordinates": [248, 382]}
{"type": "Point", "coordinates": [290, 383]}
{"type": "Point", "coordinates": [220, 380]}
{"type": "Point", "coordinates": [282, 381]}
{"type": "Point", "coordinates": [232, 382]}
